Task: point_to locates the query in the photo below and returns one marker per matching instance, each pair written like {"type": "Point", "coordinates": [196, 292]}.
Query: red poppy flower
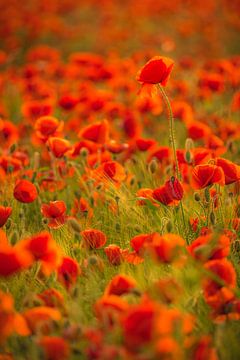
{"type": "Point", "coordinates": [209, 248]}
{"type": "Point", "coordinates": [5, 212]}
{"type": "Point", "coordinates": [119, 285]}
{"type": "Point", "coordinates": [205, 175]}
{"type": "Point", "coordinates": [58, 146]}
{"type": "Point", "coordinates": [68, 272]}
{"type": "Point", "coordinates": [47, 126]}
{"type": "Point", "coordinates": [114, 254]}
{"type": "Point", "coordinates": [25, 191]}
{"type": "Point", "coordinates": [97, 132]}
{"type": "Point", "coordinates": [93, 239]}
{"type": "Point", "coordinates": [231, 170]}
{"type": "Point", "coordinates": [170, 193]}
{"type": "Point", "coordinates": [12, 260]}
{"type": "Point", "coordinates": [138, 325]}
{"type": "Point", "coordinates": [55, 211]}
{"type": "Point", "coordinates": [55, 347]}
{"type": "Point", "coordinates": [156, 71]}
{"type": "Point", "coordinates": [43, 247]}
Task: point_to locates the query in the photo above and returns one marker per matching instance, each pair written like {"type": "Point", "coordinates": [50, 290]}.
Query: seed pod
{"type": "Point", "coordinates": [153, 165]}
{"type": "Point", "coordinates": [12, 148]}
{"type": "Point", "coordinates": [169, 226]}
{"type": "Point", "coordinates": [212, 218]}
{"type": "Point", "coordinates": [197, 197]}
{"type": "Point", "coordinates": [74, 224]}
{"type": "Point", "coordinates": [84, 152]}
{"type": "Point", "coordinates": [117, 227]}
{"type": "Point", "coordinates": [189, 144]}
{"type": "Point", "coordinates": [14, 238]}
{"type": "Point", "coordinates": [188, 157]}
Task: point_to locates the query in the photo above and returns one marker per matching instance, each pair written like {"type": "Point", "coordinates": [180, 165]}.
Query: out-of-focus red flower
{"type": "Point", "coordinates": [55, 347]}
{"type": "Point", "coordinates": [47, 126]}
{"type": "Point", "coordinates": [55, 211]}
{"type": "Point", "coordinates": [58, 146]}
{"type": "Point", "coordinates": [25, 191]}
{"type": "Point", "coordinates": [97, 132]}
{"type": "Point", "coordinates": [119, 285]}
{"type": "Point", "coordinates": [43, 248]}
{"type": "Point", "coordinates": [156, 71]}
{"type": "Point", "coordinates": [93, 239]}
{"type": "Point", "coordinates": [114, 254]}
{"type": "Point", "coordinates": [5, 212]}
{"type": "Point", "coordinates": [68, 272]}
{"type": "Point", "coordinates": [231, 170]}
{"type": "Point", "coordinates": [205, 175]}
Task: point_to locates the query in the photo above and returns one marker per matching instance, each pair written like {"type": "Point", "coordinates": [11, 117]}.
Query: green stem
{"type": "Point", "coordinates": [171, 129]}
{"type": "Point", "coordinates": [173, 143]}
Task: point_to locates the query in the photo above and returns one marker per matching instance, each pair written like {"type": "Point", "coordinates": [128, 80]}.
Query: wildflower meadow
{"type": "Point", "coordinates": [119, 180]}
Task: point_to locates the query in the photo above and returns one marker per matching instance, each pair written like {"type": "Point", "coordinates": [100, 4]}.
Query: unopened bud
{"type": "Point", "coordinates": [84, 152]}
{"type": "Point", "coordinates": [197, 197]}
{"type": "Point", "coordinates": [189, 144]}
{"type": "Point", "coordinates": [153, 165]}
{"type": "Point", "coordinates": [74, 224]}
{"type": "Point", "coordinates": [212, 218]}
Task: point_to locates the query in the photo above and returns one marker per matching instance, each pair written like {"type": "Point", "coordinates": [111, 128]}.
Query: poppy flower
{"type": "Point", "coordinates": [41, 315]}
{"type": "Point", "coordinates": [208, 248]}
{"type": "Point", "coordinates": [93, 239]}
{"type": "Point", "coordinates": [55, 347]}
{"type": "Point", "coordinates": [8, 133]}
{"type": "Point", "coordinates": [58, 146]}
{"type": "Point", "coordinates": [44, 249]}
{"type": "Point", "coordinates": [166, 248]}
{"type": "Point", "coordinates": [205, 175]}
{"type": "Point", "coordinates": [138, 325]}
{"type": "Point", "coordinates": [47, 126]}
{"type": "Point", "coordinates": [139, 242]}
{"type": "Point", "coordinates": [97, 132]}
{"type": "Point", "coordinates": [113, 253]}
{"type": "Point", "coordinates": [51, 298]}
{"type": "Point", "coordinates": [167, 195]}
{"type": "Point", "coordinates": [5, 212]}
{"type": "Point", "coordinates": [25, 191]}
{"type": "Point", "coordinates": [156, 71]}
{"type": "Point", "coordinates": [68, 272]}
{"type": "Point", "coordinates": [231, 170]}
{"type": "Point", "coordinates": [11, 322]}
{"type": "Point", "coordinates": [55, 212]}
{"type": "Point", "coordinates": [12, 258]}
{"type": "Point", "coordinates": [119, 285]}
{"type": "Point", "coordinates": [109, 308]}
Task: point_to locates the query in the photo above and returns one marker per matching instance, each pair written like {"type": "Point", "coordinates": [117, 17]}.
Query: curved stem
{"type": "Point", "coordinates": [171, 129]}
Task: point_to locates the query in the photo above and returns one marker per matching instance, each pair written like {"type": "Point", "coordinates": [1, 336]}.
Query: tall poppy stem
{"type": "Point", "coordinates": [172, 141]}
{"type": "Point", "coordinates": [171, 129]}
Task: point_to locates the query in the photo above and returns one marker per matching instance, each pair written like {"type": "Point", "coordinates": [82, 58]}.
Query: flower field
{"type": "Point", "coordinates": [119, 180]}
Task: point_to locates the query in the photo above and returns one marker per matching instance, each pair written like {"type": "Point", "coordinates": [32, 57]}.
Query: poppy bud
{"type": "Point", "coordinates": [169, 226]}
{"type": "Point", "coordinates": [189, 144]}
{"type": "Point", "coordinates": [74, 224]}
{"type": "Point", "coordinates": [212, 218]}
{"type": "Point", "coordinates": [132, 181]}
{"type": "Point", "coordinates": [118, 227]}
{"type": "Point", "coordinates": [12, 148]}
{"type": "Point", "coordinates": [14, 238]}
{"type": "Point", "coordinates": [84, 152]}
{"type": "Point", "coordinates": [197, 197]}
{"type": "Point", "coordinates": [188, 157]}
{"type": "Point", "coordinates": [153, 166]}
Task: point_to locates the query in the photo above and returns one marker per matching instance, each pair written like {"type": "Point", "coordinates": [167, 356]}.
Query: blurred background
{"type": "Point", "coordinates": [203, 28]}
